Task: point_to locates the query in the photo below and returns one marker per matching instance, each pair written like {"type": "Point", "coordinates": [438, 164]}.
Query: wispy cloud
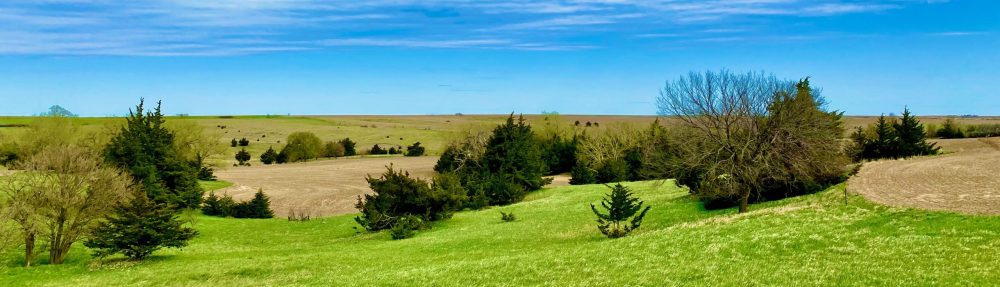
{"type": "Point", "coordinates": [236, 27]}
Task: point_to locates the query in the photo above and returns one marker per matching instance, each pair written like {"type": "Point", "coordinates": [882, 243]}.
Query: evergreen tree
{"type": "Point", "coordinates": [211, 206]}
{"type": "Point", "coordinates": [885, 143]}
{"type": "Point", "coordinates": [244, 142]}
{"type": "Point", "coordinates": [349, 147]}
{"type": "Point", "coordinates": [620, 205]}
{"type": "Point", "coordinates": [513, 154]}
{"type": "Point", "coordinates": [260, 206]}
{"type": "Point", "coordinates": [243, 156]}
{"type": "Point", "coordinates": [377, 150]}
{"type": "Point", "coordinates": [912, 139]}
{"type": "Point", "coordinates": [415, 150]}
{"type": "Point", "coordinates": [582, 174]}
{"type": "Point", "coordinates": [233, 143]}
{"type": "Point", "coordinates": [138, 229]}
{"type": "Point", "coordinates": [269, 156]}
{"type": "Point", "coordinates": [144, 148]}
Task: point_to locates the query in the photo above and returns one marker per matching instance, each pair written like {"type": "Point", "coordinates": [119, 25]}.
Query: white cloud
{"type": "Point", "coordinates": [222, 27]}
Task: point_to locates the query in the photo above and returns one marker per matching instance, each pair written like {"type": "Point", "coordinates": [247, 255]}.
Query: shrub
{"type": "Point", "coordinates": [582, 174]}
{"type": "Point", "coordinates": [949, 130]}
{"type": "Point", "coordinates": [244, 142]}
{"type": "Point", "coordinates": [415, 150]}
{"type": "Point", "coordinates": [983, 130]}
{"type": "Point", "coordinates": [406, 227]}
{"type": "Point", "coordinates": [138, 229]}
{"type": "Point", "coordinates": [620, 218]}
{"type": "Point", "coordinates": [257, 207]}
{"type": "Point", "coordinates": [396, 194]}
{"type": "Point", "coordinates": [377, 150]}
{"type": "Point", "coordinates": [507, 217]}
{"type": "Point", "coordinates": [349, 147]}
{"type": "Point", "coordinates": [393, 150]}
{"type": "Point", "coordinates": [211, 206]}
{"type": "Point", "coordinates": [243, 157]}
{"type": "Point", "coordinates": [233, 143]}
{"type": "Point", "coordinates": [613, 170]}
{"type": "Point", "coordinates": [333, 149]}
{"type": "Point", "coordinates": [302, 146]}
{"type": "Point", "coordinates": [269, 156]}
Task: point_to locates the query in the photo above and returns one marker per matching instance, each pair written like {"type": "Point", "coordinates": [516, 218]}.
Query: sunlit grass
{"type": "Point", "coordinates": [809, 240]}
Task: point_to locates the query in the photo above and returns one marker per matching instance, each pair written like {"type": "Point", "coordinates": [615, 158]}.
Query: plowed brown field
{"type": "Point", "coordinates": [320, 188]}
{"type": "Point", "coordinates": [965, 179]}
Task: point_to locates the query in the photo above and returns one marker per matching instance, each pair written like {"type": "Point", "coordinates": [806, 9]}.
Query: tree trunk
{"type": "Point", "coordinates": [29, 249]}
{"type": "Point", "coordinates": [745, 201]}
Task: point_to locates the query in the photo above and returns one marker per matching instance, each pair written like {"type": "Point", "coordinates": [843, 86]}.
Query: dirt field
{"type": "Point", "coordinates": [966, 179]}
{"type": "Point", "coordinates": [321, 188]}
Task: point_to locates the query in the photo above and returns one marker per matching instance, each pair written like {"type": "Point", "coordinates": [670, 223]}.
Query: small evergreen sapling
{"type": "Point", "coordinates": [243, 157]}
{"type": "Point", "coordinates": [139, 228]}
{"type": "Point", "coordinates": [620, 205]}
{"type": "Point", "coordinates": [507, 217]}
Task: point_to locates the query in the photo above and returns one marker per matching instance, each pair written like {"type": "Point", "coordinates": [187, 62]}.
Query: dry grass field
{"type": "Point", "coordinates": [965, 179]}
{"type": "Point", "coordinates": [318, 188]}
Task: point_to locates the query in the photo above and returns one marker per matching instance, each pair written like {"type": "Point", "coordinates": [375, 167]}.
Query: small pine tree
{"type": "Point", "coordinates": [620, 206]}
{"type": "Point", "coordinates": [233, 143]}
{"type": "Point", "coordinates": [507, 217]}
{"type": "Point", "coordinates": [260, 206]}
{"type": "Point", "coordinates": [244, 142]}
{"type": "Point", "coordinates": [349, 147]}
{"type": "Point", "coordinates": [415, 150]}
{"type": "Point", "coordinates": [211, 206]}
{"type": "Point", "coordinates": [270, 156]}
{"type": "Point", "coordinates": [377, 150]}
{"type": "Point", "coordinates": [243, 156]}
{"type": "Point", "coordinates": [138, 229]}
{"type": "Point", "coordinates": [582, 174]}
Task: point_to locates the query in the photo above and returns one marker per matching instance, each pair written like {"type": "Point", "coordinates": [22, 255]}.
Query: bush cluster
{"type": "Point", "coordinates": [257, 207]}
{"type": "Point", "coordinates": [415, 150]}
{"type": "Point", "coordinates": [397, 196]}
{"type": "Point", "coordinates": [499, 170]}
{"type": "Point", "coordinates": [243, 157]}
{"type": "Point", "coordinates": [889, 138]}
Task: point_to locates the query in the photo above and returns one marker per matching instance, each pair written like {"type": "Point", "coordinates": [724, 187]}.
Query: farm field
{"type": "Point", "coordinates": [319, 188]}
{"type": "Point", "coordinates": [966, 178]}
{"type": "Point", "coordinates": [809, 240]}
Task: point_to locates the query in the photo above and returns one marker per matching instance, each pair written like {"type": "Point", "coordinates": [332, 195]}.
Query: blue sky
{"type": "Point", "coordinates": [98, 57]}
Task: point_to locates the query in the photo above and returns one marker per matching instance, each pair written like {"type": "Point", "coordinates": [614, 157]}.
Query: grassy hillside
{"type": "Point", "coordinates": [814, 239]}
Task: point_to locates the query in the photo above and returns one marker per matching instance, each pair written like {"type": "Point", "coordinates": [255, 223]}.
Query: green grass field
{"type": "Point", "coordinates": [809, 240]}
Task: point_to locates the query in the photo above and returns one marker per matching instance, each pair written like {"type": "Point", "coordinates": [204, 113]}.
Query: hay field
{"type": "Point", "coordinates": [965, 179]}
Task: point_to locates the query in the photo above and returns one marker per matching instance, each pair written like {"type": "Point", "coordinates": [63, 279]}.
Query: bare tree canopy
{"type": "Point", "coordinates": [60, 195]}
{"type": "Point", "coordinates": [752, 132]}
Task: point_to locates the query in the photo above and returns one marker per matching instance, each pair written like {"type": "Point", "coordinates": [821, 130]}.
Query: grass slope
{"type": "Point", "coordinates": [809, 240]}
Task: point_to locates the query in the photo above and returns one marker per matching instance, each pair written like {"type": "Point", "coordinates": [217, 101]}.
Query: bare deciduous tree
{"type": "Point", "coordinates": [749, 132]}
{"type": "Point", "coordinates": [60, 195]}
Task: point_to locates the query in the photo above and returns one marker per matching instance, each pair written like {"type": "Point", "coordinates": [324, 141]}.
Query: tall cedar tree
{"type": "Point", "coordinates": [514, 154]}
{"type": "Point", "coordinates": [138, 229]}
{"type": "Point", "coordinates": [912, 139]}
{"type": "Point", "coordinates": [620, 206]}
{"type": "Point", "coordinates": [145, 149]}
{"type": "Point", "coordinates": [349, 147]}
